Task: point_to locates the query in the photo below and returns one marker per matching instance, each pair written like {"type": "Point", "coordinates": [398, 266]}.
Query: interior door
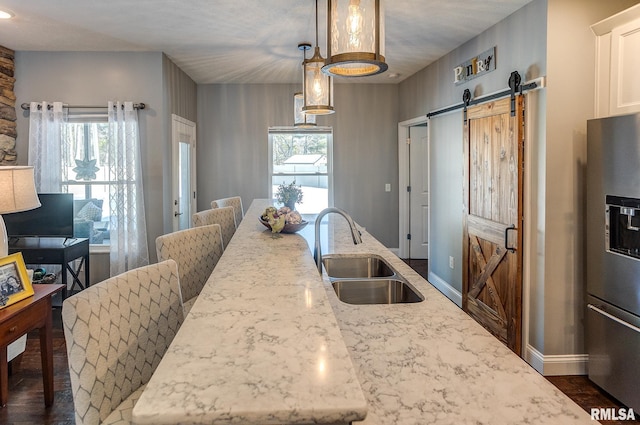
{"type": "Point", "coordinates": [492, 245]}
{"type": "Point", "coordinates": [419, 194]}
{"type": "Point", "coordinates": [184, 172]}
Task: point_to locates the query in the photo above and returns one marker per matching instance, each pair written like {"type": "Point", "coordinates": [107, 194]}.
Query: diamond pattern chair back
{"type": "Point", "coordinates": [197, 251]}
{"type": "Point", "coordinates": [224, 216]}
{"type": "Point", "coordinates": [116, 332]}
{"type": "Point", "coordinates": [235, 202]}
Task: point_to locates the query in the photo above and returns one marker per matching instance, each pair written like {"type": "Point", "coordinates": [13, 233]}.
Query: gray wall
{"type": "Point", "coordinates": [445, 203]}
{"type": "Point", "coordinates": [520, 42]}
{"type": "Point", "coordinates": [570, 103]}
{"type": "Point", "coordinates": [93, 78]}
{"type": "Point", "coordinates": [233, 122]}
{"type": "Point", "coordinates": [180, 98]}
{"type": "Point", "coordinates": [544, 38]}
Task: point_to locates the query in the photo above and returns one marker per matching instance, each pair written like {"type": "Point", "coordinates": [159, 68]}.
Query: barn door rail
{"type": "Point", "coordinates": [514, 88]}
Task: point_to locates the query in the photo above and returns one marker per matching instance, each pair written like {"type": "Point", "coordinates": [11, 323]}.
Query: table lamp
{"type": "Point", "coordinates": [17, 193]}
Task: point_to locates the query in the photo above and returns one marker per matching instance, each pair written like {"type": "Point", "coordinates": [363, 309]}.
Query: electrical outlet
{"type": "Point", "coordinates": [387, 187]}
{"type": "Point", "coordinates": [451, 262]}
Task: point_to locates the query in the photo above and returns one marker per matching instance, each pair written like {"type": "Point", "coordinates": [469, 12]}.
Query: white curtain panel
{"type": "Point", "coordinates": [45, 145]}
{"type": "Point", "coordinates": [128, 228]}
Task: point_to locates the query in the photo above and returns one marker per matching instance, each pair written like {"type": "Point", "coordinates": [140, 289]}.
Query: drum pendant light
{"type": "Point", "coordinates": [355, 38]}
{"type": "Point", "coordinates": [317, 86]}
{"type": "Point", "coordinates": [300, 119]}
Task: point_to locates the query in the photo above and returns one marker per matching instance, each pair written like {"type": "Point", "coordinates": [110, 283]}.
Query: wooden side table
{"type": "Point", "coordinates": [18, 319]}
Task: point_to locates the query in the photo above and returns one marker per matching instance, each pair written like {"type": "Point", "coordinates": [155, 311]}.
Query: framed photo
{"type": "Point", "coordinates": [14, 281]}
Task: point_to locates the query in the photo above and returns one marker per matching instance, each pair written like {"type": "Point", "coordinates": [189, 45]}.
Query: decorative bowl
{"type": "Point", "coordinates": [288, 227]}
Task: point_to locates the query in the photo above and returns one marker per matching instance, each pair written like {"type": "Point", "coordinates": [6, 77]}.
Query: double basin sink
{"type": "Point", "coordinates": [368, 279]}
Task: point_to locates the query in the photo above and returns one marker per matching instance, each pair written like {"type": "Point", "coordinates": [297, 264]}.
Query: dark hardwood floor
{"type": "Point", "coordinates": [26, 398]}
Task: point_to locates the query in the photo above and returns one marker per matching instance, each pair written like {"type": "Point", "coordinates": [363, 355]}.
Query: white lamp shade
{"type": "Point", "coordinates": [18, 189]}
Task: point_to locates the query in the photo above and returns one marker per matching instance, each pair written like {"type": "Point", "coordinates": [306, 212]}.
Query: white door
{"type": "Point", "coordinates": [184, 171]}
{"type": "Point", "coordinates": [419, 192]}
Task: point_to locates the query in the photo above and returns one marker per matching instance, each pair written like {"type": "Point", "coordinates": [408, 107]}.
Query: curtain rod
{"type": "Point", "coordinates": [26, 106]}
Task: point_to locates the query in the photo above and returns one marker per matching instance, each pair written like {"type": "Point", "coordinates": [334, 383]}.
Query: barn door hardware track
{"type": "Point", "coordinates": [514, 88]}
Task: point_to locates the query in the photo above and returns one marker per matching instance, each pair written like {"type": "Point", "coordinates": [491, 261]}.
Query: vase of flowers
{"type": "Point", "coordinates": [289, 195]}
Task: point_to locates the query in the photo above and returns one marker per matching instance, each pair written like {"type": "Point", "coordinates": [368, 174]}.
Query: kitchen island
{"type": "Point", "coordinates": [269, 342]}
{"type": "Point", "coordinates": [260, 345]}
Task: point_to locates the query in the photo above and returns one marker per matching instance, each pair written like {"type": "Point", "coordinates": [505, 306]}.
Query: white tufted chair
{"type": "Point", "coordinates": [223, 216]}
{"type": "Point", "coordinates": [116, 333]}
{"type": "Point", "coordinates": [235, 202]}
{"type": "Point", "coordinates": [197, 252]}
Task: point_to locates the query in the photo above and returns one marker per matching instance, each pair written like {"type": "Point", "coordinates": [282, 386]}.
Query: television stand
{"type": "Point", "coordinates": [62, 251]}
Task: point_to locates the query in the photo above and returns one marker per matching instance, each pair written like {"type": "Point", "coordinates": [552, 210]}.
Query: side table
{"type": "Point", "coordinates": [56, 251]}
{"type": "Point", "coordinates": [18, 319]}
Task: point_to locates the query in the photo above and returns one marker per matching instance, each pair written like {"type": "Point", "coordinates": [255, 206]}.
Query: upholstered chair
{"type": "Point", "coordinates": [197, 252]}
{"type": "Point", "coordinates": [116, 333]}
{"type": "Point", "coordinates": [235, 202]}
{"type": "Point", "coordinates": [224, 216]}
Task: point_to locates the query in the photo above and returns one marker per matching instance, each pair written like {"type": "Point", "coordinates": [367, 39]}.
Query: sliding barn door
{"type": "Point", "coordinates": [492, 250]}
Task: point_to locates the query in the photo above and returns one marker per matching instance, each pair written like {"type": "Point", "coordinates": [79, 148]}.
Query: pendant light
{"type": "Point", "coordinates": [355, 38]}
{"type": "Point", "coordinates": [300, 119]}
{"type": "Point", "coordinates": [317, 86]}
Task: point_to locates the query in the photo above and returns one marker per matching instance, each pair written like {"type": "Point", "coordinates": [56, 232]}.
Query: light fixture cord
{"type": "Point", "coordinates": [316, 23]}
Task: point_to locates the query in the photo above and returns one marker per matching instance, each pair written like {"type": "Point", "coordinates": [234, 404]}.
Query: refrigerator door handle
{"type": "Point", "coordinates": [614, 318]}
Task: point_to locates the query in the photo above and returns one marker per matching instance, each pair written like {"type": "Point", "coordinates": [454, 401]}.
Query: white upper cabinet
{"type": "Point", "coordinates": [618, 63]}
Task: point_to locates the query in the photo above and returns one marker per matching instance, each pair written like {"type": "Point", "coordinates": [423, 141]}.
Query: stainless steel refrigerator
{"type": "Point", "coordinates": [613, 256]}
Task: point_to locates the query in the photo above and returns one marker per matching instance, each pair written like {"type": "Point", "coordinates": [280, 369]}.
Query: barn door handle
{"type": "Point", "coordinates": [506, 238]}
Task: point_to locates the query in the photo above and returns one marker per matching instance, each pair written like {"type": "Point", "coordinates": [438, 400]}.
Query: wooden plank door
{"type": "Point", "coordinates": [492, 246]}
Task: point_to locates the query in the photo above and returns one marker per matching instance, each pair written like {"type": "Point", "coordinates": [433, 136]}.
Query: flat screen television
{"type": "Point", "coordinates": [54, 218]}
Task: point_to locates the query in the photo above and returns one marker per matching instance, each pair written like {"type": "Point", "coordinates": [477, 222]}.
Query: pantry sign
{"type": "Point", "coordinates": [475, 67]}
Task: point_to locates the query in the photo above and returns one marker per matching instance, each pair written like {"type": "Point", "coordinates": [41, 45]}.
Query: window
{"type": "Point", "coordinates": [303, 156]}
{"type": "Point", "coordinates": [85, 174]}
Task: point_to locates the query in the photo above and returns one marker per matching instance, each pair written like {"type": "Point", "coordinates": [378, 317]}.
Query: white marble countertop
{"type": "Point", "coordinates": [260, 345]}
{"type": "Point", "coordinates": [429, 362]}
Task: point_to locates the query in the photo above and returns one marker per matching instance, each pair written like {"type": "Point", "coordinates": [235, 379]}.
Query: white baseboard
{"type": "Point", "coordinates": [557, 364]}
{"type": "Point", "coordinates": [447, 290]}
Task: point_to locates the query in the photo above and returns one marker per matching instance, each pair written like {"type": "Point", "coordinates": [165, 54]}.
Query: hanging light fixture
{"type": "Point", "coordinates": [317, 86]}
{"type": "Point", "coordinates": [300, 119]}
{"type": "Point", "coordinates": [355, 38]}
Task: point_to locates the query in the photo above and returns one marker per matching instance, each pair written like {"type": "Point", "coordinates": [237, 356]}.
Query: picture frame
{"type": "Point", "coordinates": [15, 284]}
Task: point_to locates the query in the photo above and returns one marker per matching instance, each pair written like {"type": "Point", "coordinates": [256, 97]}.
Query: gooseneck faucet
{"type": "Point", "coordinates": [355, 233]}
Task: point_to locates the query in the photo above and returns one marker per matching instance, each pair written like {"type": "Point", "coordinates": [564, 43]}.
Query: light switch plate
{"type": "Point", "coordinates": [387, 187]}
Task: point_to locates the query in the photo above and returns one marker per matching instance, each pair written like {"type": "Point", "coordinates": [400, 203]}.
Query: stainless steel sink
{"type": "Point", "coordinates": [376, 291]}
{"type": "Point", "coordinates": [356, 266]}
{"type": "Point", "coordinates": [368, 279]}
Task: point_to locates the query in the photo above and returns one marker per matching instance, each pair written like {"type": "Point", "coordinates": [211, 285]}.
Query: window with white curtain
{"type": "Point", "coordinates": [303, 156]}
{"type": "Point", "coordinates": [85, 174]}
{"type": "Point", "coordinates": [97, 158]}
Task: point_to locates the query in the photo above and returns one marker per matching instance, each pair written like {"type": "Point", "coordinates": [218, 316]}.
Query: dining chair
{"type": "Point", "coordinates": [235, 202]}
{"type": "Point", "coordinates": [116, 333]}
{"type": "Point", "coordinates": [197, 251]}
{"type": "Point", "coordinates": [224, 216]}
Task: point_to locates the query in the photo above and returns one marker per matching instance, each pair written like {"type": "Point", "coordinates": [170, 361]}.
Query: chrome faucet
{"type": "Point", "coordinates": [355, 233]}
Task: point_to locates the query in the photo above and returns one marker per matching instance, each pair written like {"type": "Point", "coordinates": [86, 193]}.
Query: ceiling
{"type": "Point", "coordinates": [242, 41]}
